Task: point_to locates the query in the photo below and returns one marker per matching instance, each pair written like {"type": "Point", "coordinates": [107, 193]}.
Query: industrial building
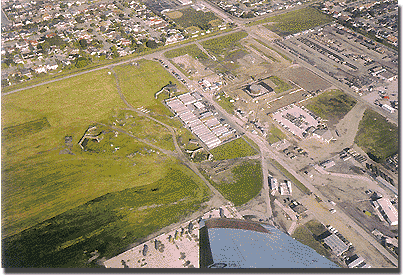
{"type": "Point", "coordinates": [234, 243]}
{"type": "Point", "coordinates": [388, 211]}
{"type": "Point", "coordinates": [202, 123]}
{"type": "Point", "coordinates": [336, 244]}
{"type": "Point", "coordinates": [295, 119]}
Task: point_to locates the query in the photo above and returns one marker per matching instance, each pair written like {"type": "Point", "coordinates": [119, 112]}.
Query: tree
{"type": "Point", "coordinates": [81, 62]}
{"type": "Point", "coordinates": [83, 43]}
{"type": "Point", "coordinates": [151, 44]}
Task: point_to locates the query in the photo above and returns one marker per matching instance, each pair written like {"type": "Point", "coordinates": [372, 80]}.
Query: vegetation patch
{"type": "Point", "coordinates": [139, 85]}
{"type": "Point", "coordinates": [376, 136]}
{"type": "Point", "coordinates": [304, 236]}
{"type": "Point", "coordinates": [333, 105]}
{"type": "Point", "coordinates": [222, 45]}
{"type": "Point", "coordinates": [191, 50]}
{"type": "Point", "coordinates": [174, 14]}
{"type": "Point", "coordinates": [275, 134]}
{"type": "Point", "coordinates": [234, 149]}
{"type": "Point", "coordinates": [282, 86]}
{"type": "Point", "coordinates": [248, 181]}
{"type": "Point", "coordinates": [191, 17]}
{"type": "Point", "coordinates": [108, 223]}
{"type": "Point", "coordinates": [25, 129]}
{"type": "Point", "coordinates": [297, 21]}
{"type": "Point", "coordinates": [315, 227]}
{"type": "Point", "coordinates": [225, 102]}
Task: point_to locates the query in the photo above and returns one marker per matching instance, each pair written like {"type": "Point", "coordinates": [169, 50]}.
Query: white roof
{"type": "Point", "coordinates": [389, 210]}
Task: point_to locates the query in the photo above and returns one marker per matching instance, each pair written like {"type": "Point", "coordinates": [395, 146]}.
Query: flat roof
{"type": "Point", "coordinates": [336, 244]}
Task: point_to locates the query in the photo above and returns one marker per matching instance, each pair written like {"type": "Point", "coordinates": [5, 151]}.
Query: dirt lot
{"type": "Point", "coordinates": [305, 78]}
{"type": "Point", "coordinates": [192, 66]}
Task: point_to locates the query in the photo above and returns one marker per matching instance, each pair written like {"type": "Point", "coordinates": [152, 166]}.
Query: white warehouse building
{"type": "Point", "coordinates": [389, 212]}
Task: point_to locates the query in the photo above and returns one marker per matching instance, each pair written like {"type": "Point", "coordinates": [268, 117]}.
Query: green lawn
{"type": "Point", "coordinates": [376, 136]}
{"type": "Point", "coordinates": [304, 236]}
{"type": "Point", "coordinates": [234, 149]}
{"type": "Point", "coordinates": [282, 86]}
{"type": "Point", "coordinates": [333, 105]}
{"type": "Point", "coordinates": [224, 44]}
{"type": "Point", "coordinates": [191, 50]}
{"type": "Point", "coordinates": [247, 183]}
{"type": "Point", "coordinates": [297, 21]}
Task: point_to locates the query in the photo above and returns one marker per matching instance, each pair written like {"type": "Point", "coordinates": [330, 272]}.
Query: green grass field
{"type": "Point", "coordinates": [315, 227]}
{"type": "Point", "coordinates": [297, 21]}
{"type": "Point", "coordinates": [376, 136]}
{"type": "Point", "coordinates": [275, 135]}
{"type": "Point", "coordinates": [107, 223]}
{"type": "Point", "coordinates": [60, 200]}
{"type": "Point", "coordinates": [140, 83]}
{"type": "Point", "coordinates": [191, 17]}
{"type": "Point", "coordinates": [234, 149]}
{"type": "Point", "coordinates": [224, 44]}
{"type": "Point", "coordinates": [282, 86]}
{"type": "Point", "coordinates": [225, 103]}
{"type": "Point", "coordinates": [247, 183]}
{"type": "Point", "coordinates": [191, 50]}
{"type": "Point", "coordinates": [333, 105]}
{"type": "Point", "coordinates": [304, 236]}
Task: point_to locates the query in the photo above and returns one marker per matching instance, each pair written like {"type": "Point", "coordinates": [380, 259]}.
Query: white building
{"type": "Point", "coordinates": [388, 108]}
{"type": "Point", "coordinates": [388, 211]}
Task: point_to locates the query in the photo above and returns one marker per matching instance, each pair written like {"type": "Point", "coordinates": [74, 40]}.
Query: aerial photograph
{"type": "Point", "coordinates": [244, 134]}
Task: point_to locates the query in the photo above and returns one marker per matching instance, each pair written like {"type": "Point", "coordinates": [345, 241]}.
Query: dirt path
{"type": "Point", "coordinates": [347, 129]}
{"type": "Point", "coordinates": [217, 200]}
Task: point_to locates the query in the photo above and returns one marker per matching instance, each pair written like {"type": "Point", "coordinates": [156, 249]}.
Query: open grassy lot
{"type": "Point", "coordinates": [190, 17]}
{"type": "Point", "coordinates": [140, 83]}
{"type": "Point", "coordinates": [191, 50]}
{"type": "Point", "coordinates": [297, 21]}
{"type": "Point", "coordinates": [59, 200]}
{"type": "Point", "coordinates": [247, 183]}
{"type": "Point", "coordinates": [224, 44]}
{"type": "Point", "coordinates": [303, 235]}
{"type": "Point", "coordinates": [315, 227]}
{"type": "Point", "coordinates": [234, 149]}
{"type": "Point", "coordinates": [107, 223]}
{"type": "Point", "coordinates": [144, 128]}
{"type": "Point", "coordinates": [282, 86]}
{"type": "Point", "coordinates": [333, 105]}
{"type": "Point", "coordinates": [275, 134]}
{"type": "Point", "coordinates": [224, 102]}
{"type": "Point", "coordinates": [376, 136]}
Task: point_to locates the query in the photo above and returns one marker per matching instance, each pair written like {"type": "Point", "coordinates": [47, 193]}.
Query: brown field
{"type": "Point", "coordinates": [306, 79]}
